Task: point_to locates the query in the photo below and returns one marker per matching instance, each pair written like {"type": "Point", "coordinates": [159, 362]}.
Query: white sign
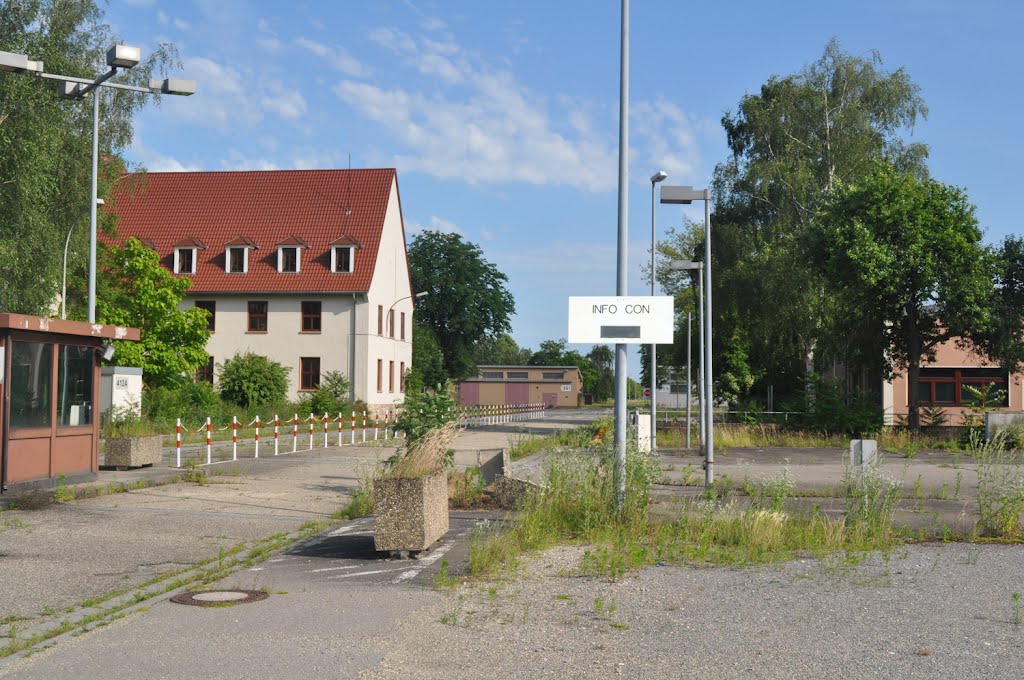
{"type": "Point", "coordinates": [636, 320]}
{"type": "Point", "coordinates": [567, 388]}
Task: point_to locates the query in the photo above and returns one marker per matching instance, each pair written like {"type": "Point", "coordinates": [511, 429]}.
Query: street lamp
{"type": "Point", "coordinates": [683, 196]}
{"type": "Point", "coordinates": [64, 277]}
{"type": "Point", "coordinates": [391, 325]}
{"type": "Point", "coordinates": [684, 265]}
{"type": "Point", "coordinates": [119, 56]}
{"type": "Point", "coordinates": [659, 176]}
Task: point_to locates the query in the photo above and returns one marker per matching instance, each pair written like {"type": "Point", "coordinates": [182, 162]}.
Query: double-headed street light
{"type": "Point", "coordinates": [659, 176]}
{"type": "Point", "coordinates": [119, 56]}
{"type": "Point", "coordinates": [683, 196]}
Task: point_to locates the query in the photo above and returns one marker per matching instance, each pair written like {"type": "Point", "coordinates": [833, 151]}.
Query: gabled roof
{"type": "Point", "coordinates": [241, 242]}
{"type": "Point", "coordinates": [292, 240]}
{"type": "Point", "coordinates": [189, 242]}
{"type": "Point", "coordinates": [345, 240]}
{"type": "Point", "coordinates": [315, 207]}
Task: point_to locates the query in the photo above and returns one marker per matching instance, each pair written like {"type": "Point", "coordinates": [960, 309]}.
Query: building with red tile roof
{"type": "Point", "coordinates": [306, 267]}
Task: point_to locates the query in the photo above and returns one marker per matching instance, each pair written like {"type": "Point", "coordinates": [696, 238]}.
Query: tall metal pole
{"type": "Point", "coordinates": [92, 205]}
{"type": "Point", "coordinates": [700, 361]}
{"type": "Point", "coordinates": [689, 389]}
{"type": "Point", "coordinates": [621, 287]}
{"type": "Point", "coordinates": [709, 428]}
{"type": "Point", "coordinates": [654, 346]}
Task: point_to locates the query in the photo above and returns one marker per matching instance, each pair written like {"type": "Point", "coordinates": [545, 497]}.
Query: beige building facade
{"type": "Point", "coordinates": [553, 386]}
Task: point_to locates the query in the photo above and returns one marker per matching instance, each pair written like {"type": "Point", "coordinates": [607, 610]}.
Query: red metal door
{"type": "Point", "coordinates": [550, 399]}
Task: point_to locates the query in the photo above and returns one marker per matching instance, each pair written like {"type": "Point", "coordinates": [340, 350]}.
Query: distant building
{"type": "Point", "coordinates": [553, 386]}
{"type": "Point", "coordinates": [306, 267]}
{"type": "Point", "coordinates": [943, 386]}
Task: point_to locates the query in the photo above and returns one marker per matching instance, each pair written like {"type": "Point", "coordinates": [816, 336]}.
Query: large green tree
{"type": "Point", "coordinates": [468, 299]}
{"type": "Point", "coordinates": [501, 350]}
{"type": "Point", "coordinates": [427, 359]}
{"type": "Point", "coordinates": [905, 255]}
{"type": "Point", "coordinates": [45, 144]}
{"type": "Point", "coordinates": [792, 143]}
{"type": "Point", "coordinates": [135, 290]}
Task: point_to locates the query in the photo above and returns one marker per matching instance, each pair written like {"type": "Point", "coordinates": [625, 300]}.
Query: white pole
{"type": "Point", "coordinates": [234, 438]}
{"type": "Point", "coordinates": [709, 429]}
{"type": "Point", "coordinates": [177, 427]}
{"type": "Point", "coordinates": [310, 431]}
{"type": "Point", "coordinates": [689, 390]}
{"type": "Point", "coordinates": [295, 432]}
{"type": "Point", "coordinates": [326, 425]}
{"type": "Point", "coordinates": [622, 261]}
{"type": "Point", "coordinates": [276, 424]}
{"type": "Point", "coordinates": [92, 206]}
{"type": "Point", "coordinates": [209, 455]}
{"type": "Point", "coordinates": [257, 453]}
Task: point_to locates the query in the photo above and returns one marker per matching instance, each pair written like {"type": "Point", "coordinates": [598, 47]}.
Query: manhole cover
{"type": "Point", "coordinates": [212, 598]}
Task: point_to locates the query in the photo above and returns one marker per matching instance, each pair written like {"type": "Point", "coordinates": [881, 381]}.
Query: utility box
{"type": "Point", "coordinates": [863, 452]}
{"type": "Point", "coordinates": [642, 427]}
{"type": "Point", "coordinates": [120, 390]}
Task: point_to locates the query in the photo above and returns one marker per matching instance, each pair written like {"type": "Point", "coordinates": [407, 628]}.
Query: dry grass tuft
{"type": "Point", "coordinates": [427, 454]}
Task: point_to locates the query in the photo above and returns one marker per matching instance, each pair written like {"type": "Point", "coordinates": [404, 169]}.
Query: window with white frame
{"type": "Point", "coordinates": [288, 259]}
{"type": "Point", "coordinates": [343, 259]}
{"type": "Point", "coordinates": [184, 260]}
{"type": "Point", "coordinates": [236, 260]}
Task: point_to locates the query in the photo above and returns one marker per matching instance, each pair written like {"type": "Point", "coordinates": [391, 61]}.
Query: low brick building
{"type": "Point", "coordinates": [553, 386]}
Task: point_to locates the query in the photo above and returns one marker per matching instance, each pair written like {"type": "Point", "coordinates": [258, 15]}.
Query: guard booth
{"type": "Point", "coordinates": [50, 382]}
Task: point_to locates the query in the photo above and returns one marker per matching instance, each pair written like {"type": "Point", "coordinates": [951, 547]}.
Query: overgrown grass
{"type": "Point", "coordinates": [576, 504]}
{"type": "Point", "coordinates": [1000, 487]}
{"type": "Point", "coordinates": [899, 440]}
{"type": "Point", "coordinates": [577, 438]}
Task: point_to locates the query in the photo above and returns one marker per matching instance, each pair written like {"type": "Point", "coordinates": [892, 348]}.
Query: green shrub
{"type": "Point", "coordinates": [830, 406]}
{"type": "Point", "coordinates": [331, 396]}
{"type": "Point", "coordinates": [250, 379]}
{"type": "Point", "coordinates": [423, 411]}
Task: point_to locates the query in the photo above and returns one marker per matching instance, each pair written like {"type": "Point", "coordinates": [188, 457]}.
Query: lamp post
{"type": "Point", "coordinates": [64, 276]}
{"type": "Point", "coordinates": [119, 56]}
{"type": "Point", "coordinates": [686, 195]}
{"type": "Point", "coordinates": [391, 325]}
{"type": "Point", "coordinates": [659, 176]}
{"type": "Point", "coordinates": [690, 265]}
{"type": "Point", "coordinates": [621, 259]}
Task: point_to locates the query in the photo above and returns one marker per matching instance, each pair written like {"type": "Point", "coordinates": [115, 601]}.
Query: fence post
{"type": "Point", "coordinates": [277, 422]}
{"type": "Point", "coordinates": [295, 432]}
{"type": "Point", "coordinates": [387, 428]}
{"type": "Point", "coordinates": [364, 427]}
{"type": "Point", "coordinates": [234, 437]}
{"type": "Point", "coordinates": [311, 431]}
{"type": "Point", "coordinates": [327, 419]}
{"type": "Point", "coordinates": [353, 427]}
{"type": "Point", "coordinates": [177, 427]}
{"type": "Point", "coordinates": [257, 453]}
{"type": "Point", "coordinates": [209, 457]}
{"type": "Point", "coordinates": [340, 428]}
{"type": "Point", "coordinates": [376, 425]}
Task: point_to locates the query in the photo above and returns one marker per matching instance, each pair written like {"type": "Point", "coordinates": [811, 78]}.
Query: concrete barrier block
{"type": "Point", "coordinates": [410, 514]}
{"type": "Point", "coordinates": [132, 451]}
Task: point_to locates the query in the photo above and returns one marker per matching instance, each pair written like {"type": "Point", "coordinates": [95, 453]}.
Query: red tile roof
{"type": "Point", "coordinates": [317, 207]}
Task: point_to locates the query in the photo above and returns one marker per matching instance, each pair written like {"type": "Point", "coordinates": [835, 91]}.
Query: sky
{"type": "Point", "coordinates": [501, 118]}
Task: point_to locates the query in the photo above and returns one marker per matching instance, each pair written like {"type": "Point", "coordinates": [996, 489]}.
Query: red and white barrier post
{"type": "Point", "coordinates": [340, 428]}
{"type": "Point", "coordinates": [364, 427]}
{"type": "Point", "coordinates": [310, 431]}
{"type": "Point", "coordinates": [277, 422]}
{"type": "Point", "coordinates": [327, 421]}
{"type": "Point", "coordinates": [376, 425]}
{"type": "Point", "coordinates": [177, 428]}
{"type": "Point", "coordinates": [353, 427]}
{"type": "Point", "coordinates": [295, 432]}
{"type": "Point", "coordinates": [387, 428]}
{"type": "Point", "coordinates": [234, 438]}
{"type": "Point", "coordinates": [257, 452]}
{"type": "Point", "coordinates": [209, 456]}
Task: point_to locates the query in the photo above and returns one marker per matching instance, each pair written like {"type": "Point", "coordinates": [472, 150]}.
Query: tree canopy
{"type": "Point", "coordinates": [905, 256]}
{"type": "Point", "coordinates": [468, 299]}
{"type": "Point", "coordinates": [791, 144]}
{"type": "Point", "coordinates": [46, 144]}
{"type": "Point", "coordinates": [135, 290]}
{"type": "Point", "coordinates": [501, 350]}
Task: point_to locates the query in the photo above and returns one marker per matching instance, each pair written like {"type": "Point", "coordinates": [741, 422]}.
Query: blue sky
{"type": "Point", "coordinates": [502, 118]}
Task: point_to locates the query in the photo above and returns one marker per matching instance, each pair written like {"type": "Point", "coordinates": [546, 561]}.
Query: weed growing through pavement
{"type": "Point", "coordinates": [61, 492]}
{"type": "Point", "coordinates": [1016, 609]}
{"type": "Point", "coordinates": [1000, 486]}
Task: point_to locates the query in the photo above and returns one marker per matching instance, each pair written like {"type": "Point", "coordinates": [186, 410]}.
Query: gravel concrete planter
{"type": "Point", "coordinates": [411, 514]}
{"type": "Point", "coordinates": [132, 451]}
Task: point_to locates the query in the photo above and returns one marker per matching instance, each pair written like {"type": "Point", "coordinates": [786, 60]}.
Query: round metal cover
{"type": "Point", "coordinates": [213, 598]}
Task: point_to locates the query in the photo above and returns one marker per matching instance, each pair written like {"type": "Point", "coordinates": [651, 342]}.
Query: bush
{"type": "Point", "coordinates": [829, 406]}
{"type": "Point", "coordinates": [424, 411]}
{"type": "Point", "coordinates": [192, 402]}
{"type": "Point", "coordinates": [331, 396]}
{"type": "Point", "coordinates": [252, 380]}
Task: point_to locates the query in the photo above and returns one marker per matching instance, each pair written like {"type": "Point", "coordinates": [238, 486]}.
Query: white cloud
{"type": "Point", "coordinates": [165, 19]}
{"type": "Point", "coordinates": [236, 160]}
{"type": "Point", "coordinates": [434, 24]}
{"type": "Point", "coordinates": [162, 17]}
{"type": "Point", "coordinates": [182, 25]}
{"type": "Point", "coordinates": [436, 223]}
{"type": "Point", "coordinates": [337, 56]}
{"type": "Point", "coordinates": [478, 124]}
{"type": "Point", "coordinates": [223, 99]}
{"type": "Point", "coordinates": [267, 38]}
{"type": "Point", "coordinates": [289, 104]}
{"type": "Point", "coordinates": [139, 3]}
{"type": "Point", "coordinates": [486, 234]}
{"type": "Point", "coordinates": [154, 161]}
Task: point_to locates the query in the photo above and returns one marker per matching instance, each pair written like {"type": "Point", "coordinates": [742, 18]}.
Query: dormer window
{"type": "Point", "coordinates": [186, 255]}
{"type": "Point", "coordinates": [343, 255]}
{"type": "Point", "coordinates": [288, 260]}
{"type": "Point", "coordinates": [343, 259]}
{"type": "Point", "coordinates": [236, 255]}
{"type": "Point", "coordinates": [184, 260]}
{"type": "Point", "coordinates": [289, 255]}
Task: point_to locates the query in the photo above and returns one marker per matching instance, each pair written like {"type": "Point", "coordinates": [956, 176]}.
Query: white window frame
{"type": "Point", "coordinates": [245, 259]}
{"type": "Point", "coordinates": [177, 252]}
{"type": "Point", "coordinates": [280, 259]}
{"type": "Point", "coordinates": [351, 260]}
